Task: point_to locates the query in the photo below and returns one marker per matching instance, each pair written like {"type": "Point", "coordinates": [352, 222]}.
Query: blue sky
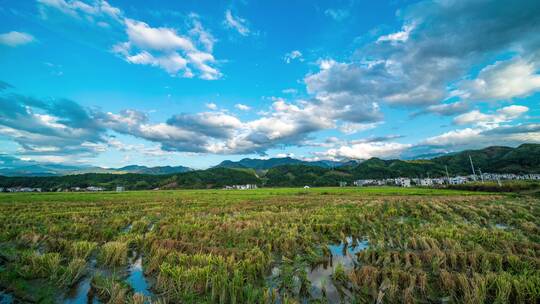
{"type": "Point", "coordinates": [111, 83]}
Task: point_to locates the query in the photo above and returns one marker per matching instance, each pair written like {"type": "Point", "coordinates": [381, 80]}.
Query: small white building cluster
{"type": "Point", "coordinates": [427, 182]}
{"type": "Point", "coordinates": [509, 176]}
{"type": "Point", "coordinates": [241, 187]}
{"type": "Point", "coordinates": [94, 189]}
{"type": "Point", "coordinates": [455, 180]}
{"type": "Point", "coordinates": [20, 189]}
{"type": "Point", "coordinates": [81, 189]}
{"type": "Point", "coordinates": [370, 182]}
{"type": "Point", "coordinates": [459, 180]}
{"type": "Point", "coordinates": [400, 181]}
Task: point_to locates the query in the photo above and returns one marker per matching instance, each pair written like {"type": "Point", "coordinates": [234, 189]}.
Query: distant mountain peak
{"type": "Point", "coordinates": [264, 164]}
{"type": "Point", "coordinates": [12, 166]}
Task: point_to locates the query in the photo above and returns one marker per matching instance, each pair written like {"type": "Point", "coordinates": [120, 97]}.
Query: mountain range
{"type": "Point", "coordinates": [12, 166]}
{"type": "Point", "coordinates": [265, 164]}
{"type": "Point", "coordinates": [275, 171]}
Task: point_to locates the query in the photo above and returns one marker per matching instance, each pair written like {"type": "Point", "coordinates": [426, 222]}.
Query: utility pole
{"type": "Point", "coordinates": [472, 166]}
{"type": "Point", "coordinates": [447, 175]}
{"type": "Point", "coordinates": [481, 175]}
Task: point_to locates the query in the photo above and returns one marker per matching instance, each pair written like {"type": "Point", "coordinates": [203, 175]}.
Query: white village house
{"type": "Point", "coordinates": [241, 187]}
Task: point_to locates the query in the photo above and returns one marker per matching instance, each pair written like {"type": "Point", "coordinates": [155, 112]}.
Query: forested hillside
{"type": "Point", "coordinates": [523, 159]}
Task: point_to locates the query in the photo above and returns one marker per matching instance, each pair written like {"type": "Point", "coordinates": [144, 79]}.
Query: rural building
{"type": "Point", "coordinates": [22, 189]}
{"type": "Point", "coordinates": [94, 189]}
{"type": "Point", "coordinates": [438, 181]}
{"type": "Point", "coordinates": [241, 187]}
{"type": "Point", "coordinates": [403, 182]}
{"type": "Point", "coordinates": [457, 180]}
{"type": "Point", "coordinates": [364, 182]}
{"type": "Point", "coordinates": [424, 182]}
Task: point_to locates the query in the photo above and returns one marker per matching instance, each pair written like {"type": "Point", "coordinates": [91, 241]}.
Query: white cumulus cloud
{"type": "Point", "coordinates": [242, 107]}
{"type": "Point", "coordinates": [165, 48]}
{"type": "Point", "coordinates": [366, 150]}
{"type": "Point", "coordinates": [400, 36]}
{"type": "Point", "coordinates": [504, 114]}
{"type": "Point", "coordinates": [211, 106]}
{"type": "Point", "coordinates": [15, 39]}
{"type": "Point", "coordinates": [185, 53]}
{"type": "Point", "coordinates": [503, 80]}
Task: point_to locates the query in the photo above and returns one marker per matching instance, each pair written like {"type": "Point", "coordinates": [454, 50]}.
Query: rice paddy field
{"type": "Point", "coordinates": [333, 245]}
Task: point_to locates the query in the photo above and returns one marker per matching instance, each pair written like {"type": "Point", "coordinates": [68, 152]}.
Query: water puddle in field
{"type": "Point", "coordinates": [343, 254]}
{"type": "Point", "coordinates": [40, 250]}
{"type": "Point", "coordinates": [127, 228]}
{"type": "Point", "coordinates": [320, 276]}
{"type": "Point", "coordinates": [501, 226]}
{"type": "Point", "coordinates": [137, 279]}
{"type": "Point", "coordinates": [81, 292]}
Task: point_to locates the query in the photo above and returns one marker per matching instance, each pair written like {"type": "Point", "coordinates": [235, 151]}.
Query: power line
{"type": "Point", "coordinates": [472, 166]}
